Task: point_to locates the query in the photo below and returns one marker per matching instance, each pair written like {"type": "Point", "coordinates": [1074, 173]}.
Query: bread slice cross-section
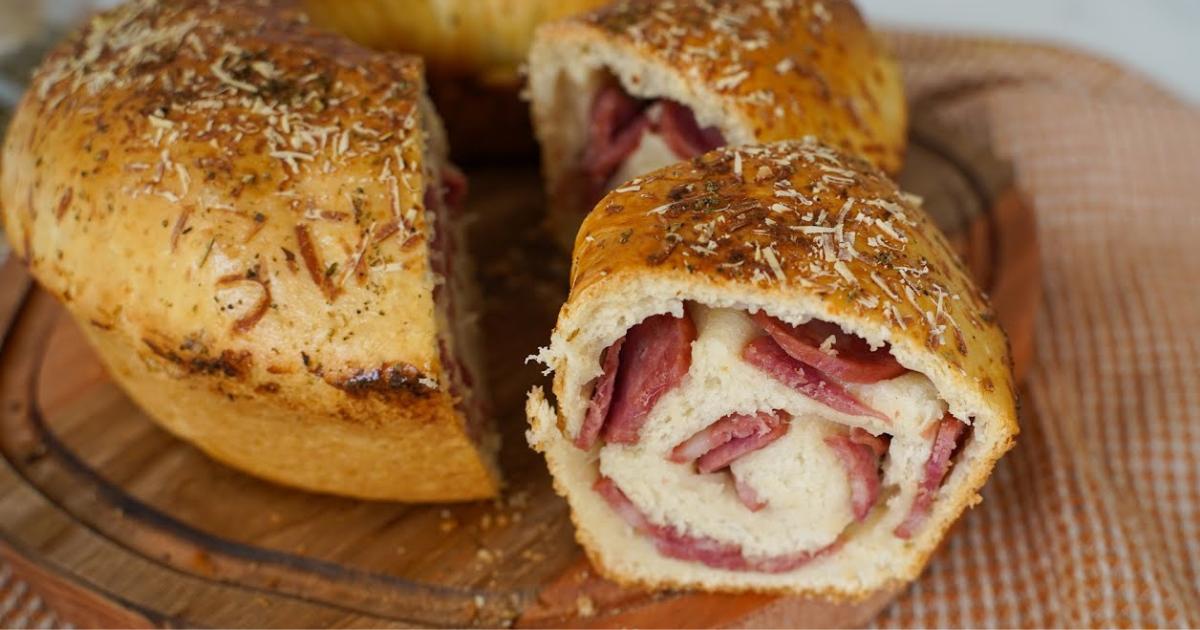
{"type": "Point", "coordinates": [771, 374]}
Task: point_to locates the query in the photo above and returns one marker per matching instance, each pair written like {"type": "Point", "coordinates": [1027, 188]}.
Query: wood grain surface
{"type": "Point", "coordinates": [116, 523]}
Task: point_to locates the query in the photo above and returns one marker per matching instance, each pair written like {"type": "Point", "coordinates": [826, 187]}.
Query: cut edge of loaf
{"type": "Point", "coordinates": [567, 63]}
{"type": "Point", "coordinates": [463, 333]}
{"type": "Point", "coordinates": [628, 557]}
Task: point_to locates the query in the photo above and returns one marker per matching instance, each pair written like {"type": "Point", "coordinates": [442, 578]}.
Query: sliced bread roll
{"type": "Point", "coordinates": [252, 222]}
{"type": "Point", "coordinates": [638, 85]}
{"type": "Point", "coordinates": [772, 374]}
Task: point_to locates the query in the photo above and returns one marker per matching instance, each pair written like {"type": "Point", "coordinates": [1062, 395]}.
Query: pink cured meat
{"type": "Point", "coordinates": [949, 430]}
{"type": "Point", "coordinates": [723, 441]}
{"type": "Point", "coordinates": [680, 131]}
{"type": "Point", "coordinates": [862, 469]}
{"type": "Point", "coordinates": [747, 494]}
{"type": "Point", "coordinates": [656, 355]}
{"type": "Point", "coordinates": [766, 355]}
{"type": "Point", "coordinates": [445, 201]}
{"type": "Point", "coordinates": [454, 187]}
{"type": "Point", "coordinates": [601, 397]}
{"type": "Point", "coordinates": [731, 427]}
{"type": "Point", "coordinates": [617, 122]}
{"type": "Point", "coordinates": [855, 361]}
{"type": "Point", "coordinates": [877, 443]}
{"type": "Point", "coordinates": [704, 550]}
{"type": "Point", "coordinates": [723, 455]}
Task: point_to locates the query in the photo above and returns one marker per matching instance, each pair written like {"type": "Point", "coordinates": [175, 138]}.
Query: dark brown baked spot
{"type": "Point", "coordinates": [388, 380]}
{"type": "Point", "coordinates": [230, 363]}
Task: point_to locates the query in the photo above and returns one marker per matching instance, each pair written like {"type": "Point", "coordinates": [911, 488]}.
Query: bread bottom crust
{"type": "Point", "coordinates": [276, 439]}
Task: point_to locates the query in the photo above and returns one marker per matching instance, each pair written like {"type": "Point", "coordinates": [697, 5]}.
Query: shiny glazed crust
{"type": "Point", "coordinates": [798, 230]}
{"type": "Point", "coordinates": [229, 202]}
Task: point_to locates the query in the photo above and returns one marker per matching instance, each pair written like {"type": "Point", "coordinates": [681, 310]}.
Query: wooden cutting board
{"type": "Point", "coordinates": [115, 522]}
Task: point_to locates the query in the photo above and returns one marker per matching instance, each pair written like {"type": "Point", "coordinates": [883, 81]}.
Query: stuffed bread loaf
{"type": "Point", "coordinates": [771, 374]}
{"type": "Point", "coordinates": [637, 84]}
{"type": "Point", "coordinates": [251, 221]}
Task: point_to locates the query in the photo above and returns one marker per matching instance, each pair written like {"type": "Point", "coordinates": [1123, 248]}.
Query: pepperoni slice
{"type": "Point", "coordinates": [601, 397]}
{"type": "Point", "coordinates": [680, 131]}
{"type": "Point", "coordinates": [766, 355]}
{"type": "Point", "coordinates": [862, 469]}
{"type": "Point", "coordinates": [949, 430]}
{"type": "Point", "coordinates": [454, 187]}
{"type": "Point", "coordinates": [656, 355]}
{"type": "Point", "coordinates": [731, 427]}
{"type": "Point", "coordinates": [747, 494]}
{"type": "Point", "coordinates": [850, 358]}
{"type": "Point", "coordinates": [617, 123]}
{"type": "Point", "coordinates": [877, 443]}
{"type": "Point", "coordinates": [723, 455]}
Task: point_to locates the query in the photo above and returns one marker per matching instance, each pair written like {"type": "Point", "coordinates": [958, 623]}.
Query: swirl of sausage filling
{"type": "Point", "coordinates": [748, 413]}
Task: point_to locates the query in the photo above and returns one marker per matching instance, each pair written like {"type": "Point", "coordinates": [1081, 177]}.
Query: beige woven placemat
{"type": "Point", "coordinates": [1093, 519]}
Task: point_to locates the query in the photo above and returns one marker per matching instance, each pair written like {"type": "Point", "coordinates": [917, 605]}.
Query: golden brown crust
{"type": "Point", "coordinates": [473, 50]}
{"type": "Point", "coordinates": [485, 39]}
{"type": "Point", "coordinates": [231, 203]}
{"type": "Point", "coordinates": [789, 69]}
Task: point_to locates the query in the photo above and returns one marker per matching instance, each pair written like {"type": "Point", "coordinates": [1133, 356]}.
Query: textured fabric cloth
{"type": "Point", "coordinates": [20, 607]}
{"type": "Point", "coordinates": [1094, 518]}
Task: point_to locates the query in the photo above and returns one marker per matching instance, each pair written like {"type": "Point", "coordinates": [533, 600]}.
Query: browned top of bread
{"type": "Point", "coordinates": [484, 38]}
{"type": "Point", "coordinates": [793, 67]}
{"type": "Point", "coordinates": [795, 220]}
{"type": "Point", "coordinates": [240, 195]}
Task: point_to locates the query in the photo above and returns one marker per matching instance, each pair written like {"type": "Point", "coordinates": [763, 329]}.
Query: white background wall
{"type": "Point", "coordinates": [1159, 37]}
